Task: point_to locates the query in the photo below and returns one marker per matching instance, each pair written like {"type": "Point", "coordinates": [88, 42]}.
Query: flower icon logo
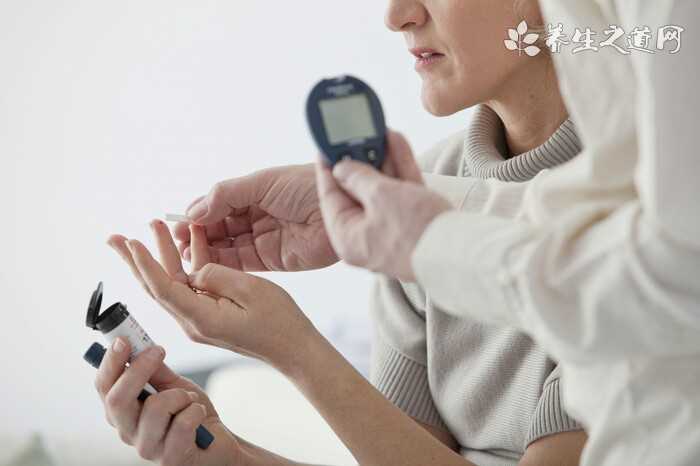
{"type": "Point", "coordinates": [521, 41]}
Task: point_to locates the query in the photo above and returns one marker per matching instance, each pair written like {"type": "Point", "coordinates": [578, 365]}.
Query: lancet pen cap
{"type": "Point", "coordinates": [109, 319]}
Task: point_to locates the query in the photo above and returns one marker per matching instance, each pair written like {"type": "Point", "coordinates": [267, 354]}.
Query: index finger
{"type": "Point", "coordinates": [169, 255]}
{"type": "Point", "coordinates": [128, 386]}
{"type": "Point", "coordinates": [112, 366]}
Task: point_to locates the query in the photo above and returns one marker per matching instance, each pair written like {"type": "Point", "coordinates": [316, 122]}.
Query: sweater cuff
{"type": "Point", "coordinates": [550, 417]}
{"type": "Point", "coordinates": [404, 382]}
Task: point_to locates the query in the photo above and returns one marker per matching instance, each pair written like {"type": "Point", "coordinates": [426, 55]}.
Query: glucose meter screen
{"type": "Point", "coordinates": [347, 118]}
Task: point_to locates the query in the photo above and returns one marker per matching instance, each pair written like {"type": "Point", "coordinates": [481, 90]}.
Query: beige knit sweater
{"type": "Point", "coordinates": [490, 386]}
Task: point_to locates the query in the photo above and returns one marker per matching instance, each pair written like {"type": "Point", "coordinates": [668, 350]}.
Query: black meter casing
{"type": "Point", "coordinates": [347, 121]}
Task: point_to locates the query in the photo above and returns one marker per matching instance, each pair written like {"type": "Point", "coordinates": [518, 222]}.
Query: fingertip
{"type": "Point", "coordinates": [340, 169]}
{"type": "Point", "coordinates": [157, 223]}
{"type": "Point", "coordinates": [113, 240]}
{"type": "Point", "coordinates": [120, 345]}
{"type": "Point", "coordinates": [345, 168]}
{"type": "Point", "coordinates": [117, 354]}
{"type": "Point", "coordinates": [197, 211]}
{"type": "Point", "coordinates": [156, 353]}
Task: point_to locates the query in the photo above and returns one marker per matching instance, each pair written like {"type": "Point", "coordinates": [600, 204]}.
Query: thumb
{"type": "Point", "coordinates": [239, 287]}
{"type": "Point", "coordinates": [226, 196]}
{"type": "Point", "coordinates": [360, 180]}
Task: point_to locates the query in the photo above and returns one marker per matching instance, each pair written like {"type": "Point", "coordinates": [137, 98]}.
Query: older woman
{"type": "Point", "coordinates": [599, 259]}
{"type": "Point", "coordinates": [459, 392]}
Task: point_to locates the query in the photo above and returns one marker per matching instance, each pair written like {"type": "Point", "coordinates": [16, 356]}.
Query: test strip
{"type": "Point", "coordinates": [177, 218]}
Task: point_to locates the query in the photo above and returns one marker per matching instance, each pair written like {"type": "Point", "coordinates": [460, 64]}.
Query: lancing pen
{"type": "Point", "coordinates": [116, 322]}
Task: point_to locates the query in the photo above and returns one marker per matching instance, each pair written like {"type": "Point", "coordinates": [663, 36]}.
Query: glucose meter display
{"type": "Point", "coordinates": [347, 118]}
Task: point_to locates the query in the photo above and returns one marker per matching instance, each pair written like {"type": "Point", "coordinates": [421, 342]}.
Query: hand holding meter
{"type": "Point", "coordinates": [347, 121]}
{"type": "Point", "coordinates": [116, 322]}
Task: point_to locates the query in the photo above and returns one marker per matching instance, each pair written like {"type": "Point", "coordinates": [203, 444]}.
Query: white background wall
{"type": "Point", "coordinates": [113, 113]}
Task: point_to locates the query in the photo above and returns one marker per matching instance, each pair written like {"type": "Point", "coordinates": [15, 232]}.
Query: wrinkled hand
{"type": "Point", "coordinates": [268, 220]}
{"type": "Point", "coordinates": [236, 310]}
{"type": "Point", "coordinates": [162, 429]}
{"type": "Point", "coordinates": [375, 219]}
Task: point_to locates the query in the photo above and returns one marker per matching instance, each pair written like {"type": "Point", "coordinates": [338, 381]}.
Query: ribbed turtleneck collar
{"type": "Point", "coordinates": [485, 150]}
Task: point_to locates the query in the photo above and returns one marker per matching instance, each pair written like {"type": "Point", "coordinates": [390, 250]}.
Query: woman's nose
{"type": "Point", "coordinates": [402, 15]}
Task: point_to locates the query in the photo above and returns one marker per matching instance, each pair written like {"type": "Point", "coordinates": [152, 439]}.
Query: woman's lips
{"type": "Point", "coordinates": [426, 57]}
{"type": "Point", "coordinates": [428, 61]}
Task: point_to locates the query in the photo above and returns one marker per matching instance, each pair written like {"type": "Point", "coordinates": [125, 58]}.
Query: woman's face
{"type": "Point", "coordinates": [471, 63]}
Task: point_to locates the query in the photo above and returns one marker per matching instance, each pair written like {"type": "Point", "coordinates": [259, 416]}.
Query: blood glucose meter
{"type": "Point", "coordinates": [347, 121]}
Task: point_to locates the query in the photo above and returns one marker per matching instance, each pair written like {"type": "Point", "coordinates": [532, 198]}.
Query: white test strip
{"type": "Point", "coordinates": [177, 218]}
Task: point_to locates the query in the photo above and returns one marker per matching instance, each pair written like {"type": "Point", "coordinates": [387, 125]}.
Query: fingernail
{"type": "Point", "coordinates": [193, 396]}
{"type": "Point", "coordinates": [339, 169]}
{"type": "Point", "coordinates": [156, 353]}
{"type": "Point", "coordinates": [118, 345]}
{"type": "Point", "coordinates": [197, 211]}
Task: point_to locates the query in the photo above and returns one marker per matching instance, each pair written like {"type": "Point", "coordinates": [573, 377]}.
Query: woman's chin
{"type": "Point", "coordinates": [438, 104]}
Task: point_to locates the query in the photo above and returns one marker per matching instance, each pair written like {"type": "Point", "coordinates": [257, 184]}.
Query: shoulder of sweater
{"type": "Point", "coordinates": [445, 157]}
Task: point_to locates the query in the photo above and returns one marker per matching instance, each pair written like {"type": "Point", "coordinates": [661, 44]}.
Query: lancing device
{"type": "Point", "coordinates": [115, 322]}
{"type": "Point", "coordinates": [347, 121]}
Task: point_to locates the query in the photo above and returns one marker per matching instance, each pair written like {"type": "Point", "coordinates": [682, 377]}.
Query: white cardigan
{"type": "Point", "coordinates": [602, 262]}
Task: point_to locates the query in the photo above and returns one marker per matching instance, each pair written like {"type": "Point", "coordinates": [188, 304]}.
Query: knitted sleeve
{"type": "Point", "coordinates": [550, 417]}
{"type": "Point", "coordinates": [399, 356]}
